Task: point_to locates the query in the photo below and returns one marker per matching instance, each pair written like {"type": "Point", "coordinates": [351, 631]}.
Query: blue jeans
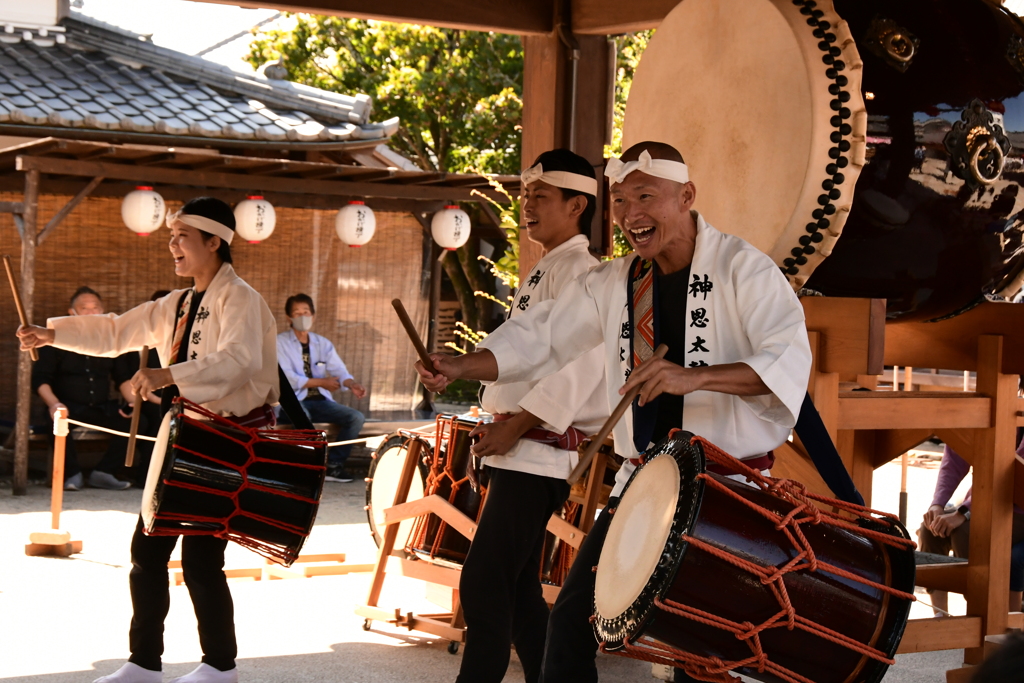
{"type": "Point", "coordinates": [349, 422]}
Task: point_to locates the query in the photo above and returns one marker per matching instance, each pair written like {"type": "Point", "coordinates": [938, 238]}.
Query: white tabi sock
{"type": "Point", "coordinates": [204, 673]}
{"type": "Point", "coordinates": [132, 673]}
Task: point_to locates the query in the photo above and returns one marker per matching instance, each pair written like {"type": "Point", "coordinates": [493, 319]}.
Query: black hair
{"type": "Point", "coordinates": [657, 150]}
{"type": "Point", "coordinates": [215, 210]}
{"type": "Point", "coordinates": [564, 160]}
{"type": "Point", "coordinates": [299, 299]}
{"type": "Point", "coordinates": [84, 290]}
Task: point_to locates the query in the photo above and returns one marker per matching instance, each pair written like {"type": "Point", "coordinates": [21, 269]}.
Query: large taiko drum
{"type": "Point", "coordinates": [453, 478]}
{"type": "Point", "coordinates": [895, 125]}
{"type": "Point", "coordinates": [713, 575]}
{"type": "Point", "coordinates": [382, 482]}
{"type": "Point", "coordinates": [257, 487]}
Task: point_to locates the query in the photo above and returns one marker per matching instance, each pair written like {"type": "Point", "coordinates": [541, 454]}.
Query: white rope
{"type": "Point", "coordinates": [345, 443]}
{"type": "Point", "coordinates": [109, 431]}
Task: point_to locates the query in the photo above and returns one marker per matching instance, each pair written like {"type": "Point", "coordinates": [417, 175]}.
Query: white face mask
{"type": "Point", "coordinates": [302, 323]}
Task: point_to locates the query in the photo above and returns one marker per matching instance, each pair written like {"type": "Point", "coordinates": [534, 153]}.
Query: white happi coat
{"type": "Point", "coordinates": [739, 308]}
{"type": "Point", "coordinates": [573, 396]}
{"type": "Point", "coordinates": [232, 354]}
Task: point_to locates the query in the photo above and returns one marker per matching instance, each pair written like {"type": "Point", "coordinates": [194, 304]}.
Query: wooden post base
{"type": "Point", "coordinates": [53, 550]}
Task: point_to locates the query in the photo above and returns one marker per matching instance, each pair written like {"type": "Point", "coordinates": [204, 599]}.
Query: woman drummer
{"type": "Point", "coordinates": [217, 345]}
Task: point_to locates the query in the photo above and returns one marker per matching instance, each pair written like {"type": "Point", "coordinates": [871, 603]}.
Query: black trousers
{"type": "Point", "coordinates": [102, 415]}
{"type": "Point", "coordinates": [500, 585]}
{"type": "Point", "coordinates": [202, 561]}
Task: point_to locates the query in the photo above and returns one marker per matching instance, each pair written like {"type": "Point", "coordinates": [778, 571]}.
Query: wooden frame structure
{"type": "Point", "coordinates": [393, 561]}
{"type": "Point", "coordinates": [82, 168]}
{"type": "Point", "coordinates": [870, 428]}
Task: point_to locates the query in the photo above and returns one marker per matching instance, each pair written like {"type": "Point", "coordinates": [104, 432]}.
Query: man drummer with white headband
{"type": "Point", "coordinates": [530, 448]}
{"type": "Point", "coordinates": [217, 343]}
{"type": "Point", "coordinates": [736, 371]}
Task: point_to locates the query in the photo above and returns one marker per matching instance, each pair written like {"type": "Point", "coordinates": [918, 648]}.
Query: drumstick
{"type": "Point", "coordinates": [17, 301]}
{"type": "Point", "coordinates": [129, 456]}
{"type": "Point", "coordinates": [414, 336]}
{"type": "Point", "coordinates": [609, 424]}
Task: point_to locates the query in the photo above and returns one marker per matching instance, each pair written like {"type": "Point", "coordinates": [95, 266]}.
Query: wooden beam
{"type": "Point", "coordinates": [897, 410]}
{"type": "Point", "coordinates": [512, 16]}
{"type": "Point", "coordinates": [245, 183]}
{"type": "Point", "coordinates": [28, 290]}
{"type": "Point", "coordinates": [951, 633]}
{"type": "Point", "coordinates": [853, 332]}
{"type": "Point", "coordinates": [948, 576]}
{"type": "Point", "coordinates": [12, 207]}
{"type": "Point", "coordinates": [891, 444]}
{"type": "Point", "coordinates": [611, 17]}
{"type": "Point", "coordinates": [68, 208]}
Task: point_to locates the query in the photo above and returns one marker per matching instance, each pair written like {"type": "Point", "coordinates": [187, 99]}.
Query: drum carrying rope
{"type": "Point", "coordinates": [715, 669]}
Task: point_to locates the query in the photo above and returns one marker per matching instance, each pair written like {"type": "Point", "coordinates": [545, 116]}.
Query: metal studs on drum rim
{"type": "Point", "coordinates": [763, 99]}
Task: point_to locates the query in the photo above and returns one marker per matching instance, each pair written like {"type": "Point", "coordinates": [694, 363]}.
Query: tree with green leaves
{"type": "Point", "coordinates": [458, 96]}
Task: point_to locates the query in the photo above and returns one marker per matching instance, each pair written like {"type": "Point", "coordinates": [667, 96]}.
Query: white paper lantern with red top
{"type": "Point", "coordinates": [355, 224]}
{"type": "Point", "coordinates": [450, 227]}
{"type": "Point", "coordinates": [143, 210]}
{"type": "Point", "coordinates": [255, 219]}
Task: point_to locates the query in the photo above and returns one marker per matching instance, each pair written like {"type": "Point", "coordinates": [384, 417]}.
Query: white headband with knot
{"type": "Point", "coordinates": [617, 170]}
{"type": "Point", "coordinates": [563, 179]}
{"type": "Point", "coordinates": [203, 223]}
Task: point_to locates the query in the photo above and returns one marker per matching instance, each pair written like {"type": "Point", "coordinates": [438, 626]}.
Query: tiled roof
{"type": "Point", "coordinates": [103, 78]}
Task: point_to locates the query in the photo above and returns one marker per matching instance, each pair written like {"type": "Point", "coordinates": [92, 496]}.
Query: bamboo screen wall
{"type": "Point", "coordinates": [352, 287]}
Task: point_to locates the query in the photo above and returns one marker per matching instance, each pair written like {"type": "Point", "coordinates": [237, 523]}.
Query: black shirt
{"type": "Point", "coordinates": [671, 312]}
{"type": "Point", "coordinates": [78, 379]}
{"type": "Point", "coordinates": [307, 368]}
{"type": "Point", "coordinates": [172, 392]}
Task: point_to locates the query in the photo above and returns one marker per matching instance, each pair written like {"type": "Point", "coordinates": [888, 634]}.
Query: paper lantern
{"type": "Point", "coordinates": [143, 210]}
{"type": "Point", "coordinates": [355, 224]}
{"type": "Point", "coordinates": [450, 227]}
{"type": "Point", "coordinates": [255, 219]}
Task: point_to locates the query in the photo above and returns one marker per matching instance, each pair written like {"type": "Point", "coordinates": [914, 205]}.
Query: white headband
{"type": "Point", "coordinates": [203, 223]}
{"type": "Point", "coordinates": [617, 170]}
{"type": "Point", "coordinates": [563, 179]}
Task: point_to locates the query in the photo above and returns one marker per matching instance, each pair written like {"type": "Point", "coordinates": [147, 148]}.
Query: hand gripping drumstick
{"type": "Point", "coordinates": [609, 424]}
{"type": "Point", "coordinates": [17, 301]}
{"type": "Point", "coordinates": [414, 336]}
{"type": "Point", "coordinates": [129, 455]}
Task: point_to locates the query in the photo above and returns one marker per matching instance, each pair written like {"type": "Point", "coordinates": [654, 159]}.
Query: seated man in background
{"type": "Point", "coordinates": [81, 384]}
{"type": "Point", "coordinates": [314, 370]}
{"type": "Point", "coordinates": [947, 528]}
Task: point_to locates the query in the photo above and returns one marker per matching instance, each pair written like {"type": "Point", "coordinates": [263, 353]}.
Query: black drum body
{"type": "Point", "coordinates": [259, 488]}
{"type": "Point", "coordinates": [936, 223]}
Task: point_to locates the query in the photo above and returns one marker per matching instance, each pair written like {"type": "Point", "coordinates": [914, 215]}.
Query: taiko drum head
{"type": "Point", "coordinates": [383, 476]}
{"type": "Point", "coordinates": [156, 464]}
{"type": "Point", "coordinates": [765, 106]}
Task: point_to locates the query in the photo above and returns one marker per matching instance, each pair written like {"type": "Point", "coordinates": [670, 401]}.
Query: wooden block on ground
{"type": "Point", "coordinates": [49, 550]}
{"type": "Point", "coordinates": [54, 537]}
{"type": "Point", "coordinates": [950, 633]}
{"type": "Point", "coordinates": [960, 675]}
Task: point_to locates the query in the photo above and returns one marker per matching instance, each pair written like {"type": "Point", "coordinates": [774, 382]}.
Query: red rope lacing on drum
{"type": "Point", "coordinates": [447, 430]}
{"type": "Point", "coordinates": [298, 436]}
{"type": "Point", "coordinates": [715, 669]}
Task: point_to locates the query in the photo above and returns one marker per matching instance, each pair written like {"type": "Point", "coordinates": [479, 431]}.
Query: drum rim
{"type": "Point", "coordinates": [175, 413]}
{"type": "Point", "coordinates": [613, 632]}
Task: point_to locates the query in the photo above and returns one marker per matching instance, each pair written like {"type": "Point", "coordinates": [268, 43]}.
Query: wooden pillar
{"type": "Point", "coordinates": [547, 112]}
{"type": "Point", "coordinates": [988, 577]}
{"type": "Point", "coordinates": [28, 286]}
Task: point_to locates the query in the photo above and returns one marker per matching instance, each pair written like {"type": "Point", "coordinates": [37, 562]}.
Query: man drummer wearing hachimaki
{"type": "Point", "coordinates": [217, 343]}
{"type": "Point", "coordinates": [736, 370]}
{"type": "Point", "coordinates": [530, 447]}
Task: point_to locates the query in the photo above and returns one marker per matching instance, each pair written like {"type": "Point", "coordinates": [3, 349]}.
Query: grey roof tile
{"type": "Point", "coordinates": [107, 79]}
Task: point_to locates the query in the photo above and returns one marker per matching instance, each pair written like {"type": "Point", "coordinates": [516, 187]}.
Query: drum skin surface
{"type": "Point", "coordinates": [382, 483]}
{"type": "Point", "coordinates": [925, 234]}
{"type": "Point", "coordinates": [926, 212]}
{"type": "Point", "coordinates": [689, 575]}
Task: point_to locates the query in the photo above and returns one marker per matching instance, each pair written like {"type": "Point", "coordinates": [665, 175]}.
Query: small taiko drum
{"type": "Point", "coordinates": [383, 477]}
{"type": "Point", "coordinates": [452, 477]}
{"type": "Point", "coordinates": [257, 487]}
{"type": "Point", "coordinates": [712, 575]}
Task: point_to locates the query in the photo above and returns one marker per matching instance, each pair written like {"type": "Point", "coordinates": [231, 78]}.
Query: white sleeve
{"type": "Point", "coordinates": [549, 336]}
{"type": "Point", "coordinates": [558, 399]}
{"type": "Point", "coordinates": [149, 324]}
{"type": "Point", "coordinates": [773, 319]}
